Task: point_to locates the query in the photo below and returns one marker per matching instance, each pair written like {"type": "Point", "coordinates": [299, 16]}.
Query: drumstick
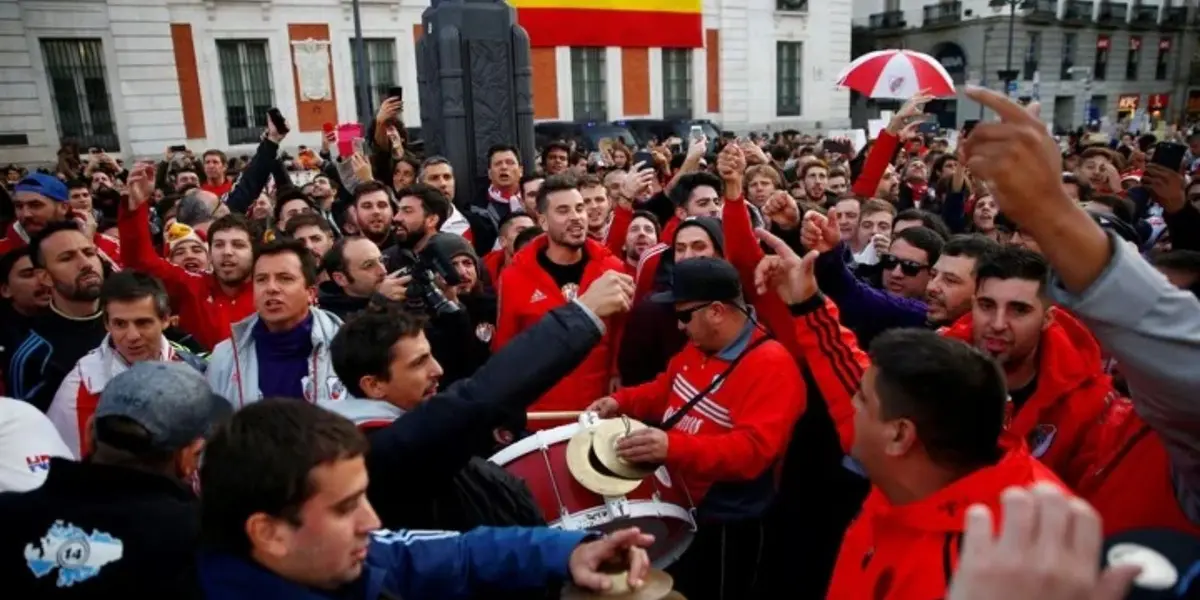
{"type": "Point", "coordinates": [553, 415]}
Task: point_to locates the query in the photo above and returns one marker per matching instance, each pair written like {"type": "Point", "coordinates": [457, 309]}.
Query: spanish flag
{"type": "Point", "coordinates": [620, 23]}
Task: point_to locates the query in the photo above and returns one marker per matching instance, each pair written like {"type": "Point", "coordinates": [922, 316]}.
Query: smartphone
{"type": "Point", "coordinates": [1169, 155]}
{"type": "Point", "coordinates": [645, 157]}
{"type": "Point", "coordinates": [695, 133]}
{"type": "Point", "coordinates": [838, 147]}
{"type": "Point", "coordinates": [278, 121]}
{"type": "Point", "coordinates": [968, 127]}
{"type": "Point", "coordinates": [396, 92]}
{"type": "Point", "coordinates": [327, 127]}
{"type": "Point", "coordinates": [178, 148]}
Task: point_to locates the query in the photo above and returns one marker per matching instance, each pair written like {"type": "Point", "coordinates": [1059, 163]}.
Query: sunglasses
{"type": "Point", "coordinates": [685, 316]}
{"type": "Point", "coordinates": [910, 268]}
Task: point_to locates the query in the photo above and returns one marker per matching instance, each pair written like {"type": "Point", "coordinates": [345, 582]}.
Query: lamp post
{"type": "Point", "coordinates": [362, 90]}
{"type": "Point", "coordinates": [1008, 75]}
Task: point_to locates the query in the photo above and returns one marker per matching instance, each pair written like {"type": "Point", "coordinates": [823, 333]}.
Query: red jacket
{"type": "Point", "coordinates": [909, 551]}
{"type": "Point", "coordinates": [737, 431]}
{"type": "Point", "coordinates": [205, 311]}
{"type": "Point", "coordinates": [493, 262]}
{"type": "Point", "coordinates": [1061, 420]}
{"type": "Point", "coordinates": [527, 293]}
{"type": "Point", "coordinates": [108, 248]}
{"type": "Point", "coordinates": [1133, 458]}
{"type": "Point", "coordinates": [648, 264]}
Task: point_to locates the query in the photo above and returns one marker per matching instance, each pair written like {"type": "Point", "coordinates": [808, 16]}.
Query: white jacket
{"type": "Point", "coordinates": [233, 373]}
{"type": "Point", "coordinates": [76, 399]}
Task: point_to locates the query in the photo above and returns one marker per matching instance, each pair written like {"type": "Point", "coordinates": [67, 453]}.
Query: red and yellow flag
{"type": "Point", "coordinates": [620, 23]}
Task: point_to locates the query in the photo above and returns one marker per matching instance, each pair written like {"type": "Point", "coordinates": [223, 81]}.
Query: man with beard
{"type": "Point", "coordinates": [40, 199]}
{"type": "Point", "coordinates": [283, 349]}
{"type": "Point", "coordinates": [1051, 362]}
{"type": "Point", "coordinates": [374, 210]}
{"type": "Point", "coordinates": [641, 236]}
{"type": "Point", "coordinates": [551, 271]}
{"type": "Point", "coordinates": [421, 213]}
{"type": "Point", "coordinates": [314, 231]}
{"type": "Point", "coordinates": [356, 274]}
{"type": "Point", "coordinates": [207, 303]}
{"type": "Point", "coordinates": [185, 249]}
{"type": "Point", "coordinates": [323, 194]}
{"type": "Point", "coordinates": [69, 264]}
{"type": "Point", "coordinates": [815, 176]}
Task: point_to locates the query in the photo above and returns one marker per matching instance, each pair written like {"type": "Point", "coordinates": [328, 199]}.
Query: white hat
{"type": "Point", "coordinates": [27, 442]}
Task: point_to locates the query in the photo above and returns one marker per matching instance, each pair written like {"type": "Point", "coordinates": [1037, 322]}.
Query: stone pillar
{"type": "Point", "coordinates": [474, 73]}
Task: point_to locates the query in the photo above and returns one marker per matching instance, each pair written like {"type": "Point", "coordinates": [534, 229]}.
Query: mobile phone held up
{"type": "Point", "coordinates": [396, 92]}
{"type": "Point", "coordinates": [695, 133]}
{"type": "Point", "coordinates": [644, 157]}
{"type": "Point", "coordinates": [1169, 155]}
{"type": "Point", "coordinates": [837, 147]}
{"type": "Point", "coordinates": [278, 121]}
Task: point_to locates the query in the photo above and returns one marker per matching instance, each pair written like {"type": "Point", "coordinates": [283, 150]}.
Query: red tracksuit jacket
{"type": "Point", "coordinates": [737, 431]}
{"type": "Point", "coordinates": [205, 311]}
{"type": "Point", "coordinates": [527, 293]}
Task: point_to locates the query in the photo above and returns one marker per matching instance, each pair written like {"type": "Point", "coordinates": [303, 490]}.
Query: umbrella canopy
{"type": "Point", "coordinates": [896, 74]}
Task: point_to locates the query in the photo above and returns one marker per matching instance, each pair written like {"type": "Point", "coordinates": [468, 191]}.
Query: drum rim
{"type": "Point", "coordinates": [534, 442]}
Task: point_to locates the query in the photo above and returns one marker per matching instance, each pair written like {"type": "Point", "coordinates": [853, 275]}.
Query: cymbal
{"type": "Point", "coordinates": [605, 436]}
{"type": "Point", "coordinates": [657, 586]}
{"type": "Point", "coordinates": [593, 475]}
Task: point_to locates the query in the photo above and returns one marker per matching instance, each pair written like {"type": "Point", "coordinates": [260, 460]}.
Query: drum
{"type": "Point", "coordinates": [656, 504]}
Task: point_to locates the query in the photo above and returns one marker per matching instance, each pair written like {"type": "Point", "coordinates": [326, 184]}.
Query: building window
{"type": "Point", "coordinates": [791, 5]}
{"type": "Point", "coordinates": [79, 91]}
{"type": "Point", "coordinates": [1164, 56]}
{"type": "Point", "coordinates": [587, 84]}
{"type": "Point", "coordinates": [1068, 56]}
{"type": "Point", "coordinates": [381, 67]}
{"type": "Point", "coordinates": [677, 82]}
{"type": "Point", "coordinates": [789, 74]}
{"type": "Point", "coordinates": [1135, 57]}
{"type": "Point", "coordinates": [1100, 69]}
{"type": "Point", "coordinates": [1032, 53]}
{"type": "Point", "coordinates": [246, 82]}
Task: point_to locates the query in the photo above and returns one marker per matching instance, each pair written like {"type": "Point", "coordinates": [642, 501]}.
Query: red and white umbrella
{"type": "Point", "coordinates": [896, 74]}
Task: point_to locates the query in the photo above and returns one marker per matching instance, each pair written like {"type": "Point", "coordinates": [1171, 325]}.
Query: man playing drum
{"type": "Point", "coordinates": [727, 404]}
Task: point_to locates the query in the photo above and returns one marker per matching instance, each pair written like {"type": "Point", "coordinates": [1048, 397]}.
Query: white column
{"type": "Point", "coordinates": [656, 83]}
{"type": "Point", "coordinates": [566, 97]}
{"type": "Point", "coordinates": [614, 83]}
{"type": "Point", "coordinates": [699, 83]}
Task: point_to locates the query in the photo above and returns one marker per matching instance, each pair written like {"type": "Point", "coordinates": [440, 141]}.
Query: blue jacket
{"type": "Point", "coordinates": [415, 565]}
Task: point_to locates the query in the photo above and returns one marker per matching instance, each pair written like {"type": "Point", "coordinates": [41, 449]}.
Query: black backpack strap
{"type": "Point", "coordinates": [681, 413]}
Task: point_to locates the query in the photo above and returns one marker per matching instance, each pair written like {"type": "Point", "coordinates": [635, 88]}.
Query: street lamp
{"type": "Point", "coordinates": [1008, 75]}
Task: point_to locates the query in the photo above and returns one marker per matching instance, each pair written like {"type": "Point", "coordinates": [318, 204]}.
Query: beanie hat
{"type": "Point", "coordinates": [710, 226]}
{"type": "Point", "coordinates": [178, 233]}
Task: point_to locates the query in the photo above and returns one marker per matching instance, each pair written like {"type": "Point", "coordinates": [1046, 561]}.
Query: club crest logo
{"type": "Point", "coordinates": [337, 390]}
{"type": "Point", "coordinates": [77, 555]}
{"type": "Point", "coordinates": [1041, 438]}
{"type": "Point", "coordinates": [570, 291]}
{"type": "Point", "coordinates": [484, 332]}
{"type": "Point", "coordinates": [895, 83]}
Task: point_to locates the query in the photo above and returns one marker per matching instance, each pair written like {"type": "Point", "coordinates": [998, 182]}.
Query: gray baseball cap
{"type": "Point", "coordinates": [170, 400]}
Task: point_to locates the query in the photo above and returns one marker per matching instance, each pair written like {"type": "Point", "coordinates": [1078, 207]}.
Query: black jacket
{"type": "Point", "coordinates": [99, 531]}
{"type": "Point", "coordinates": [414, 461]}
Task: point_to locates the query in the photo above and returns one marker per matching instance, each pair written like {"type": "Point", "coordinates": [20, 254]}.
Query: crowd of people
{"type": "Point", "coordinates": [912, 371]}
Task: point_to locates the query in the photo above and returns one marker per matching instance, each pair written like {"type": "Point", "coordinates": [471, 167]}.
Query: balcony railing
{"type": "Point", "coordinates": [943, 13]}
{"type": "Point", "coordinates": [1040, 10]}
{"type": "Point", "coordinates": [1112, 13]}
{"type": "Point", "coordinates": [1144, 16]}
{"type": "Point", "coordinates": [892, 19]}
{"type": "Point", "coordinates": [1078, 12]}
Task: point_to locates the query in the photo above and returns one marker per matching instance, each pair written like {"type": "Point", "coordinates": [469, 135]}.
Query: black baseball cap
{"type": "Point", "coordinates": [702, 279]}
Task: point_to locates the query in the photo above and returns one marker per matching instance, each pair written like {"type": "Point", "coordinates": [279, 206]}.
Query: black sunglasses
{"type": "Point", "coordinates": [685, 316]}
{"type": "Point", "coordinates": [910, 268]}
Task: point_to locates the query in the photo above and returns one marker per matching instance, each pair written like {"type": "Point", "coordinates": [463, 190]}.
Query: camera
{"type": "Point", "coordinates": [425, 268]}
